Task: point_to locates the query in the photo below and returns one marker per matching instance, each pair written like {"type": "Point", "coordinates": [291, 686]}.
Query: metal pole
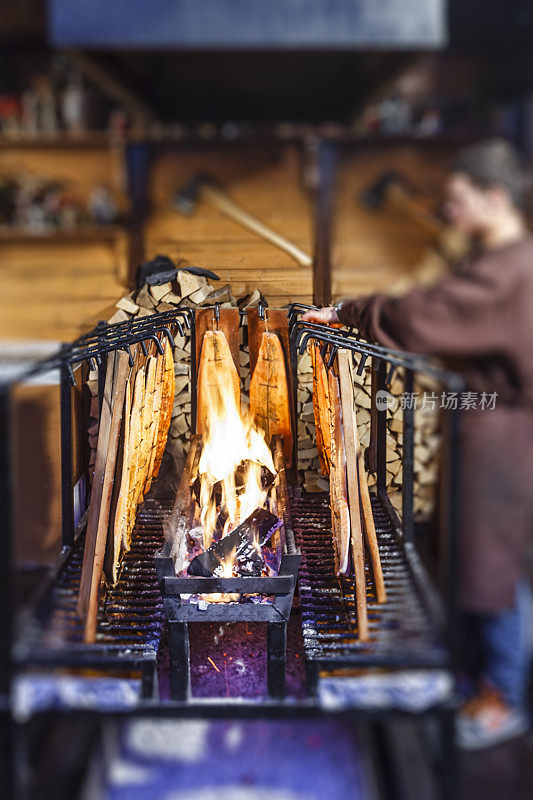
{"type": "Point", "coordinates": [408, 444]}
{"type": "Point", "coordinates": [194, 377]}
{"type": "Point", "coordinates": [381, 428]}
{"type": "Point", "coordinates": [67, 497]}
{"type": "Point", "coordinates": [7, 610]}
{"type": "Point", "coordinates": [449, 522]}
{"type": "Point", "coordinates": [327, 161]}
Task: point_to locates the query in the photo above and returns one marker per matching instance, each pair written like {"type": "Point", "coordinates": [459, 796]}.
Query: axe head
{"type": "Point", "coordinates": [375, 195]}
{"type": "Point", "coordinates": [186, 199]}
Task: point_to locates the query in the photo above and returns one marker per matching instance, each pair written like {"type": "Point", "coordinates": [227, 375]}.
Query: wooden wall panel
{"type": "Point", "coordinates": [53, 288]}
{"type": "Point", "coordinates": [54, 291]}
{"type": "Point", "coordinates": [373, 249]}
{"type": "Point", "coordinates": [266, 182]}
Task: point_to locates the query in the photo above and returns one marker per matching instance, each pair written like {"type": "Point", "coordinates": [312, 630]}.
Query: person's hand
{"type": "Point", "coordinates": [324, 316]}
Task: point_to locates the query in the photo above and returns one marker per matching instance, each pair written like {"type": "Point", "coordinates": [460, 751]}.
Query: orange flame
{"type": "Point", "coordinates": [231, 439]}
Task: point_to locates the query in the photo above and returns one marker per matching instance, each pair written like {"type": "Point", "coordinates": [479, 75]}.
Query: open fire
{"type": "Point", "coordinates": [233, 483]}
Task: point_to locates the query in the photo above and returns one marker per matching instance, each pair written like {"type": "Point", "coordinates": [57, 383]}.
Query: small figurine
{"type": "Point", "coordinates": [73, 105]}
{"type": "Point", "coordinates": [101, 206]}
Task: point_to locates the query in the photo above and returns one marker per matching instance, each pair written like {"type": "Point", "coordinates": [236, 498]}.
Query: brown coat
{"type": "Point", "coordinates": [480, 322]}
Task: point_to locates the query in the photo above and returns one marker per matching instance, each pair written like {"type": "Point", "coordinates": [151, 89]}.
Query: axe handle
{"type": "Point", "coordinates": [219, 200]}
{"type": "Point", "coordinates": [397, 195]}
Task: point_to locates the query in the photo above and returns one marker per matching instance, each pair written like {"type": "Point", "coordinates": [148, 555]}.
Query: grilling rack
{"type": "Point", "coordinates": [130, 634]}
{"type": "Point", "coordinates": [412, 629]}
{"type": "Point", "coordinates": [50, 635]}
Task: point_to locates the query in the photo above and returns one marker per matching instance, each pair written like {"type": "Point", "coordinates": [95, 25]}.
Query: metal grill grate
{"type": "Point", "coordinates": [130, 617]}
{"type": "Point", "coordinates": [402, 631]}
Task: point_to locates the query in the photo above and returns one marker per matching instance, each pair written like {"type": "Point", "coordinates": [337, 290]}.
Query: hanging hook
{"type": "Point", "coordinates": [158, 345]}
{"type": "Point", "coordinates": [361, 366]}
{"type": "Point", "coordinates": [127, 350]}
{"type": "Point", "coordinates": [303, 345]}
{"type": "Point", "coordinates": [169, 336]}
{"type": "Point", "coordinates": [332, 356]}
{"type": "Point", "coordinates": [71, 377]}
{"type": "Point", "coordinates": [217, 312]}
{"type": "Point", "coordinates": [144, 348]}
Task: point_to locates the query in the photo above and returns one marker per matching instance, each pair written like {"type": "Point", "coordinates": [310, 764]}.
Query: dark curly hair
{"type": "Point", "coordinates": [496, 162]}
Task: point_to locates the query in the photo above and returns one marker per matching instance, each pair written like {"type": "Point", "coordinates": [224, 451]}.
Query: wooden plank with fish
{"type": "Point", "coordinates": [350, 450]}
{"type": "Point", "coordinates": [340, 513]}
{"type": "Point", "coordinates": [269, 394]}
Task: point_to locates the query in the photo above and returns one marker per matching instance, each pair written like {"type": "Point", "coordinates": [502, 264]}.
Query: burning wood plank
{"type": "Point", "coordinates": [241, 546]}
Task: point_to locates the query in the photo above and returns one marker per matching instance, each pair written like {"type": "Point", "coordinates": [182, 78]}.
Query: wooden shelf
{"type": "Point", "coordinates": [85, 234]}
{"type": "Point", "coordinates": [62, 140]}
{"type": "Point", "coordinates": [95, 139]}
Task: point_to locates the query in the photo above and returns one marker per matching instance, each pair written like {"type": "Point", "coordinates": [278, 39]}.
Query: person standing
{"type": "Point", "coordinates": [479, 321]}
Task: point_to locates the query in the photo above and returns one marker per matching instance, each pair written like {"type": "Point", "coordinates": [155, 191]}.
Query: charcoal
{"type": "Point", "coordinates": [258, 527]}
{"type": "Point", "coordinates": [267, 478]}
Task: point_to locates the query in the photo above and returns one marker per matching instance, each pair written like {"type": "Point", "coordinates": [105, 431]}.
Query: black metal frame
{"type": "Point", "coordinates": [93, 348]}
{"type": "Point", "coordinates": [384, 363]}
{"type": "Point", "coordinates": [275, 613]}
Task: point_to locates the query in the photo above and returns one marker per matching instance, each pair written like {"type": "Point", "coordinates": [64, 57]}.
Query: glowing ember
{"type": "Point", "coordinates": [225, 570]}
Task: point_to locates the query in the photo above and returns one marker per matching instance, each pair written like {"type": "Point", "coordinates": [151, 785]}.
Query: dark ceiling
{"type": "Point", "coordinates": [303, 85]}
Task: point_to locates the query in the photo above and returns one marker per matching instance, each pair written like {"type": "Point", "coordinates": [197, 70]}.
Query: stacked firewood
{"type": "Point", "coordinates": [189, 291]}
{"type": "Point", "coordinates": [195, 290]}
{"type": "Point", "coordinates": [427, 438]}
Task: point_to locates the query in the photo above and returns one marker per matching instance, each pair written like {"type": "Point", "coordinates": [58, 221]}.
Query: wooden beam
{"type": "Point", "coordinates": [111, 85]}
{"type": "Point", "coordinates": [327, 162]}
